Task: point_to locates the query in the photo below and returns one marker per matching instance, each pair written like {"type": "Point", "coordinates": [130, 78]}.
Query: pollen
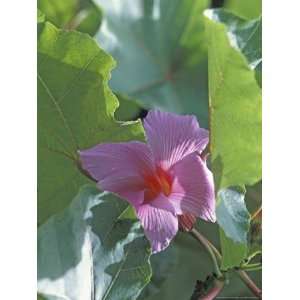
{"type": "Point", "coordinates": [160, 182]}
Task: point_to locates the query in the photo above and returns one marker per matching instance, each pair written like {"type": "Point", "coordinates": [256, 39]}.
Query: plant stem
{"type": "Point", "coordinates": [215, 291]}
{"type": "Point", "coordinates": [250, 284]}
{"type": "Point", "coordinates": [242, 274]}
{"type": "Point", "coordinates": [199, 237]}
{"type": "Point", "coordinates": [256, 213]}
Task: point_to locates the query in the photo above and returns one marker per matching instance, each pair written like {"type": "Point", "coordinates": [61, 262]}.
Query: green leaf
{"type": "Point", "coordinates": [75, 111]}
{"type": "Point", "coordinates": [232, 215]}
{"type": "Point", "coordinates": [88, 20]}
{"type": "Point", "coordinates": [161, 53]}
{"type": "Point", "coordinates": [129, 108]}
{"type": "Point", "coordinates": [235, 111]}
{"type": "Point", "coordinates": [232, 253]}
{"type": "Point", "coordinates": [57, 11]}
{"type": "Point", "coordinates": [246, 36]}
{"type": "Point", "coordinates": [163, 265]}
{"type": "Point", "coordinates": [193, 263]}
{"type": "Point", "coordinates": [247, 9]}
{"type": "Point", "coordinates": [88, 252]}
{"type": "Point", "coordinates": [40, 17]}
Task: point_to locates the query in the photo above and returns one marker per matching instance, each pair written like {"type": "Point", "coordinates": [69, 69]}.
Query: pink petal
{"type": "Point", "coordinates": [192, 189]}
{"type": "Point", "coordinates": [193, 186]}
{"type": "Point", "coordinates": [119, 168]}
{"type": "Point", "coordinates": [160, 226]}
{"type": "Point", "coordinates": [167, 203]}
{"type": "Point", "coordinates": [172, 137]}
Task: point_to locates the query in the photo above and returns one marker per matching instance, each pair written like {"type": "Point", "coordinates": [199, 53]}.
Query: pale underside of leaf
{"type": "Point", "coordinates": [87, 252]}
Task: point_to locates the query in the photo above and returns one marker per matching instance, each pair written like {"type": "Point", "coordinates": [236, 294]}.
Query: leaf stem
{"type": "Point", "coordinates": [199, 237]}
{"type": "Point", "coordinates": [251, 267]}
{"type": "Point", "coordinates": [242, 274]}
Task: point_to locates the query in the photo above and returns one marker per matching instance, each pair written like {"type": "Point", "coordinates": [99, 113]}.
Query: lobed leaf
{"type": "Point", "coordinates": [244, 35]}
{"type": "Point", "coordinates": [88, 252]}
{"type": "Point", "coordinates": [75, 111]}
{"type": "Point", "coordinates": [161, 52]}
{"type": "Point", "coordinates": [235, 112]}
{"type": "Point", "coordinates": [235, 123]}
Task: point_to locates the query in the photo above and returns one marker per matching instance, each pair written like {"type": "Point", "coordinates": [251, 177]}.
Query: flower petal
{"type": "Point", "coordinates": [160, 226]}
{"type": "Point", "coordinates": [119, 168]}
{"type": "Point", "coordinates": [192, 190]}
{"type": "Point", "coordinates": [168, 204]}
{"type": "Point", "coordinates": [171, 137]}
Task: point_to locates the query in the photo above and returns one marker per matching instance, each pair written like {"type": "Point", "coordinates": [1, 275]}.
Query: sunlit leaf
{"type": "Point", "coordinates": [57, 11]}
{"type": "Point", "coordinates": [75, 111]}
{"type": "Point", "coordinates": [244, 35]}
{"type": "Point", "coordinates": [235, 121]}
{"type": "Point", "coordinates": [245, 8]}
{"type": "Point", "coordinates": [88, 252]}
{"type": "Point", "coordinates": [88, 20]}
{"type": "Point", "coordinates": [235, 111]}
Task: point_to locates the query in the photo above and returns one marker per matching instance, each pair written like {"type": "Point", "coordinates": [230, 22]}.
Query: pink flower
{"type": "Point", "coordinates": [162, 179]}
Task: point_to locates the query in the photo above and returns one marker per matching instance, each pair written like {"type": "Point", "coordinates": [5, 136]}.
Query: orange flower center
{"type": "Point", "coordinates": [160, 182]}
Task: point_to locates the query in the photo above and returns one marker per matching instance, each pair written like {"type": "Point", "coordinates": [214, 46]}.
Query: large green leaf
{"type": "Point", "coordinates": [232, 215]}
{"type": "Point", "coordinates": [84, 16]}
{"type": "Point", "coordinates": [235, 111]}
{"type": "Point", "coordinates": [57, 11]}
{"type": "Point", "coordinates": [235, 119]}
{"type": "Point", "coordinates": [75, 111]}
{"type": "Point", "coordinates": [244, 8]}
{"type": "Point", "coordinates": [160, 50]}
{"type": "Point", "coordinates": [88, 252]}
{"type": "Point", "coordinates": [88, 20]}
{"type": "Point", "coordinates": [246, 36]}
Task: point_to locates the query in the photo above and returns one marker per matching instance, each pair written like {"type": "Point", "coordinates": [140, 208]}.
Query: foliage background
{"type": "Point", "coordinates": [185, 261]}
